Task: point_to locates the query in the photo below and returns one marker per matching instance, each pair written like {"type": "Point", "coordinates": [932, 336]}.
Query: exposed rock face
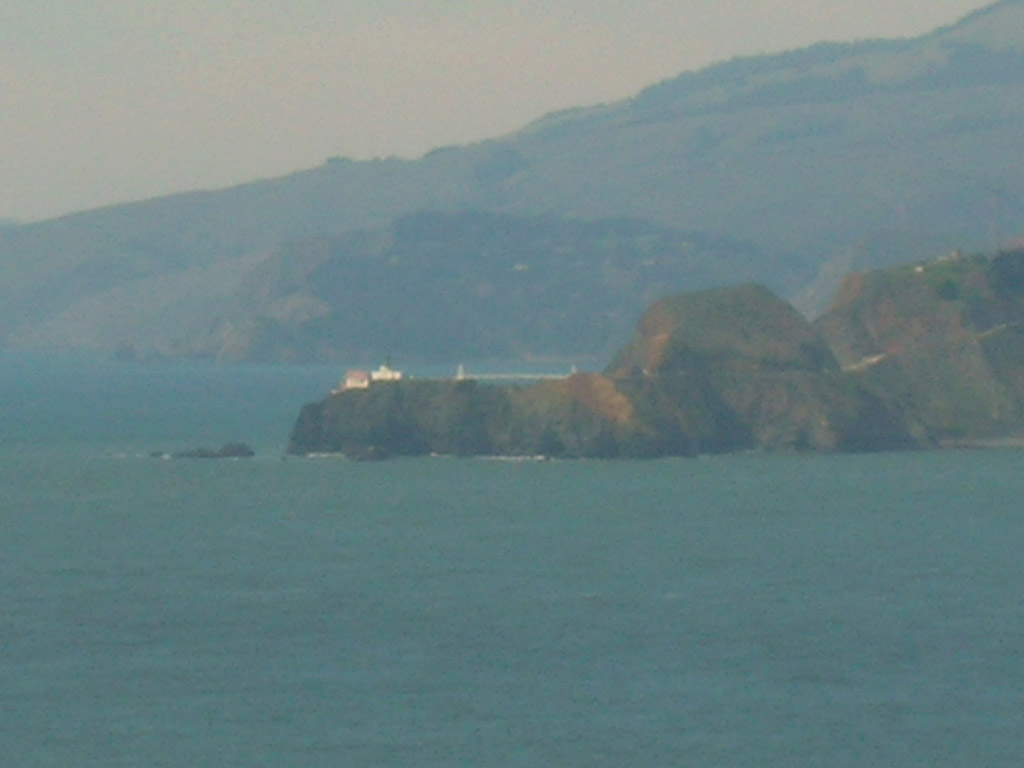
{"type": "Point", "coordinates": [724, 370]}
{"type": "Point", "coordinates": [942, 341]}
{"type": "Point", "coordinates": [584, 415]}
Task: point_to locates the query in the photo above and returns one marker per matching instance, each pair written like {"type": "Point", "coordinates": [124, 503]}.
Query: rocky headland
{"type": "Point", "coordinates": [904, 358]}
{"type": "Point", "coordinates": [925, 355]}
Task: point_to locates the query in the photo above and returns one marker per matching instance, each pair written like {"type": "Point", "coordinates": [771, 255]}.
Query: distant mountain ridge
{"type": "Point", "coordinates": [830, 159]}
{"type": "Point", "coordinates": [465, 286]}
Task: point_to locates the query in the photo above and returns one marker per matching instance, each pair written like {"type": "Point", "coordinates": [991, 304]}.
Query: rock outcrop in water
{"type": "Point", "coordinates": [226, 451]}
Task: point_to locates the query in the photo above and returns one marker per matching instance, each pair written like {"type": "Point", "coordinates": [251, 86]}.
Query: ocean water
{"type": "Point", "coordinates": [727, 611]}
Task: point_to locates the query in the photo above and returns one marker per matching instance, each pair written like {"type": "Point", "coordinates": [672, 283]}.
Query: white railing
{"type": "Point", "coordinates": [461, 375]}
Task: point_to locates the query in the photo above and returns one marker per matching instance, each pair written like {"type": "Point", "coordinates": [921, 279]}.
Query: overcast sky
{"type": "Point", "coordinates": [104, 101]}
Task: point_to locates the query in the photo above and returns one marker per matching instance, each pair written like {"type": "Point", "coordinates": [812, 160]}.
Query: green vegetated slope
{"type": "Point", "coordinates": [917, 356]}
{"type": "Point", "coordinates": [943, 341]}
{"type": "Point", "coordinates": [830, 159]}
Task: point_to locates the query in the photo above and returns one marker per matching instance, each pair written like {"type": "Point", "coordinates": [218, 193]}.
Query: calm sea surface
{"type": "Point", "coordinates": [731, 611]}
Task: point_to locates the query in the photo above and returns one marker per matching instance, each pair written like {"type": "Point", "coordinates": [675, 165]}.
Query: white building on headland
{"type": "Point", "coordinates": [384, 373]}
{"type": "Point", "coordinates": [362, 379]}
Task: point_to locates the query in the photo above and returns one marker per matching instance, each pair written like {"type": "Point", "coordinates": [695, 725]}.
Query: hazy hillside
{"type": "Point", "coordinates": [449, 286]}
{"type": "Point", "coordinates": [831, 158]}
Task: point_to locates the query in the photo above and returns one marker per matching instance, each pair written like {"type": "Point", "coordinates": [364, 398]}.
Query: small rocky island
{"type": "Point", "coordinates": [226, 451]}
{"type": "Point", "coordinates": [921, 356]}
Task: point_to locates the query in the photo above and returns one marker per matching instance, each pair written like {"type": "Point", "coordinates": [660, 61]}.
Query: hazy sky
{"type": "Point", "coordinates": [103, 101]}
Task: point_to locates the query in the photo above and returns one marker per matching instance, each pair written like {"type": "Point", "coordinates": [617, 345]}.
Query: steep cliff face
{"type": "Point", "coordinates": [581, 416]}
{"type": "Point", "coordinates": [943, 341]}
{"type": "Point", "coordinates": [723, 370]}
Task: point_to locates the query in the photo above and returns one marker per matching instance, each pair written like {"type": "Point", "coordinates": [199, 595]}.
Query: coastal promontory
{"type": "Point", "coordinates": [724, 370]}
{"type": "Point", "coordinates": [929, 354]}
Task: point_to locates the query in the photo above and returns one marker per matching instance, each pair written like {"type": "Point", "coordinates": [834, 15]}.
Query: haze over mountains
{"type": "Point", "coordinates": [789, 170]}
